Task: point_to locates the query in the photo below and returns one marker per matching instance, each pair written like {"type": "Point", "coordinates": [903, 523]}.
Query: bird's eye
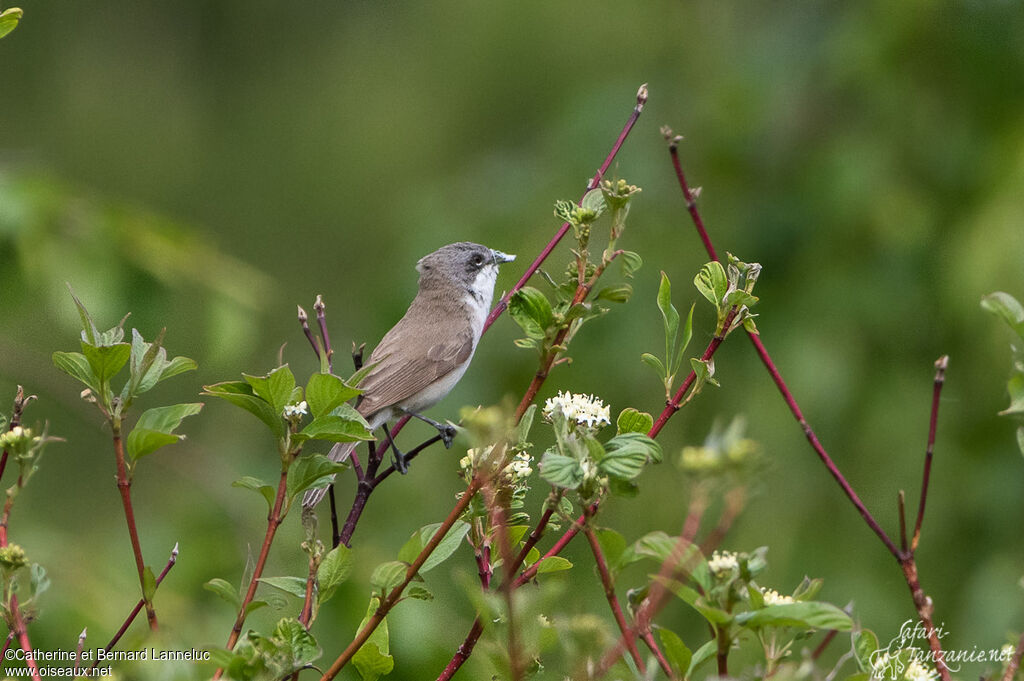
{"type": "Point", "coordinates": [477, 260]}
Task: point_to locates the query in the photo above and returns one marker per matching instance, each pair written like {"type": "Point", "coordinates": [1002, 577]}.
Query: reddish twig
{"type": "Point", "coordinates": [274, 519]}
{"type": "Point", "coordinates": [16, 622]}
{"type": "Point", "coordinates": [941, 364]}
{"type": "Point", "coordinates": [124, 486]}
{"type": "Point", "coordinates": [641, 99]}
{"type": "Point", "coordinates": [138, 606]}
{"type": "Point", "coordinates": [628, 636]}
{"type": "Point", "coordinates": [672, 568]}
{"type": "Point", "coordinates": [922, 602]}
{"type": "Point", "coordinates": [392, 598]}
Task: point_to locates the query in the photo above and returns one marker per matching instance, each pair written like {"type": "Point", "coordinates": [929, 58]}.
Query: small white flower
{"type": "Point", "coordinates": [294, 411]}
{"type": "Point", "coordinates": [773, 597]}
{"type": "Point", "coordinates": [518, 469]}
{"type": "Point", "coordinates": [918, 672]}
{"type": "Point", "coordinates": [723, 563]}
{"type": "Point", "coordinates": [583, 409]}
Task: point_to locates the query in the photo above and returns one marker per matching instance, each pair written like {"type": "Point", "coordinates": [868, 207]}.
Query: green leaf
{"type": "Point", "coordinates": [77, 366]}
{"type": "Point", "coordinates": [1006, 307]}
{"type": "Point", "coordinates": [684, 341]}
{"type": "Point", "coordinates": [334, 569]}
{"type": "Point", "coordinates": [145, 364]}
{"type": "Point", "coordinates": [712, 283]}
{"type": "Point", "coordinates": [324, 392]}
{"type": "Point", "coordinates": [565, 210]}
{"type": "Point", "coordinates": [631, 262]}
{"type": "Point", "coordinates": [657, 545]}
{"type": "Point", "coordinates": [420, 592]}
{"type": "Point", "coordinates": [1020, 439]}
{"type": "Point", "coordinates": [310, 471]}
{"type": "Point", "coordinates": [240, 394]}
{"type": "Point", "coordinates": [249, 482]}
{"type": "Point", "coordinates": [178, 365]}
{"type": "Point", "coordinates": [9, 18]}
{"type": "Point", "coordinates": [532, 311]}
{"type": "Point", "coordinates": [522, 430]}
{"type": "Point", "coordinates": [39, 582]}
{"type": "Point", "coordinates": [387, 576]}
{"type": "Point", "coordinates": [865, 643]}
{"type": "Point", "coordinates": [223, 588]}
{"type": "Point", "coordinates": [106, 360]}
{"type": "Point", "coordinates": [633, 421]}
{"type": "Point", "coordinates": [692, 598]}
{"type": "Point", "coordinates": [297, 644]}
{"type": "Point", "coordinates": [806, 614]}
{"type": "Point", "coordinates": [148, 583]}
{"type": "Point", "coordinates": [676, 652]}
{"type": "Point", "coordinates": [553, 564]}
{"type": "Point", "coordinates": [373, 658]}
{"type": "Point", "coordinates": [613, 545]}
{"type": "Point", "coordinates": [412, 548]}
{"type": "Point", "coordinates": [1015, 386]}
{"type": "Point", "coordinates": [669, 315]}
{"type": "Point", "coordinates": [560, 470]}
{"type": "Point", "coordinates": [275, 388]}
{"type": "Point", "coordinates": [594, 201]}
{"type": "Point", "coordinates": [655, 363]}
{"type": "Point", "coordinates": [703, 654]}
{"type": "Point", "coordinates": [89, 331]}
{"type": "Point", "coordinates": [334, 428]}
{"type": "Point", "coordinates": [618, 293]}
{"type": "Point", "coordinates": [626, 446]}
{"type": "Point", "coordinates": [155, 428]}
{"type": "Point", "coordinates": [294, 586]}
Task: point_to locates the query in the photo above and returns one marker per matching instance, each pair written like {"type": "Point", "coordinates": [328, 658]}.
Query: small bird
{"type": "Point", "coordinates": [425, 354]}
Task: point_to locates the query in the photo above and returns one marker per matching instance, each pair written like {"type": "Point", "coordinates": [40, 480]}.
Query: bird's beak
{"type": "Point", "coordinates": [500, 257]}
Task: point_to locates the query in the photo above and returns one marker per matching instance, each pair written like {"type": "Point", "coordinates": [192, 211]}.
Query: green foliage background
{"type": "Point", "coordinates": [208, 165]}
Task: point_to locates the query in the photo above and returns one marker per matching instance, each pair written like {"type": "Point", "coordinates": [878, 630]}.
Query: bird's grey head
{"type": "Point", "coordinates": [465, 265]}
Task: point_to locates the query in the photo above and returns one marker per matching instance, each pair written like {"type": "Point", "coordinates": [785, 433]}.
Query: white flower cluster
{"type": "Point", "coordinates": [916, 671]}
{"type": "Point", "coordinates": [296, 411]}
{"type": "Point", "coordinates": [583, 409]}
{"type": "Point", "coordinates": [519, 468]}
{"type": "Point", "coordinates": [17, 438]}
{"type": "Point", "coordinates": [723, 563]}
{"type": "Point", "coordinates": [773, 597]}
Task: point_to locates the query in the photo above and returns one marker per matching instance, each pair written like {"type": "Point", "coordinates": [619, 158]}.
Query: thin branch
{"type": "Point", "coordinates": [395, 594]}
{"type": "Point", "coordinates": [274, 519]}
{"type": "Point", "coordinates": [941, 365]}
{"type": "Point", "coordinates": [499, 524]}
{"type": "Point", "coordinates": [901, 510]}
{"type": "Point", "coordinates": [304, 321]}
{"type": "Point", "coordinates": [124, 486]}
{"type": "Point", "coordinates": [641, 99]}
{"type": "Point", "coordinates": [321, 320]}
{"type": "Point", "coordinates": [138, 606]}
{"type": "Point", "coordinates": [922, 602]}
{"type": "Point", "coordinates": [628, 636]}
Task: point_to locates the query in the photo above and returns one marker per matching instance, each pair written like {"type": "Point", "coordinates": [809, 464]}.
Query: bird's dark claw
{"type": "Point", "coordinates": [447, 433]}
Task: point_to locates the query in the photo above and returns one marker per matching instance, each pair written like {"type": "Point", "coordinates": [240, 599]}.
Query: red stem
{"type": "Point", "coordinates": [124, 486]}
{"type": "Point", "coordinates": [608, 583]}
{"type": "Point", "coordinates": [395, 594]}
{"type": "Point", "coordinates": [138, 606]}
{"type": "Point", "coordinates": [273, 522]}
{"type": "Point", "coordinates": [641, 99]}
{"type": "Point", "coordinates": [940, 378]}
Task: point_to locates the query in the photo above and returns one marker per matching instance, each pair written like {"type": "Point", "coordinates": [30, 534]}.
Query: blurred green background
{"type": "Point", "coordinates": [208, 165]}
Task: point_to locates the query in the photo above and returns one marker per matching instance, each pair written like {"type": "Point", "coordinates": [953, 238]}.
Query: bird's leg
{"type": "Point", "coordinates": [445, 430]}
{"type": "Point", "coordinates": [401, 465]}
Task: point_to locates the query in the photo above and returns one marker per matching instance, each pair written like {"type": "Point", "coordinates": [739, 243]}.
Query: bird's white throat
{"type": "Point", "coordinates": [479, 296]}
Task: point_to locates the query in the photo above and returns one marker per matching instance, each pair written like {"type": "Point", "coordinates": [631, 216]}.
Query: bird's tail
{"type": "Point", "coordinates": [339, 452]}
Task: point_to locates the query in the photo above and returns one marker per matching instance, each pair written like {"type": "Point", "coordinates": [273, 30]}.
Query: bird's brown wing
{"type": "Point", "coordinates": [409, 362]}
